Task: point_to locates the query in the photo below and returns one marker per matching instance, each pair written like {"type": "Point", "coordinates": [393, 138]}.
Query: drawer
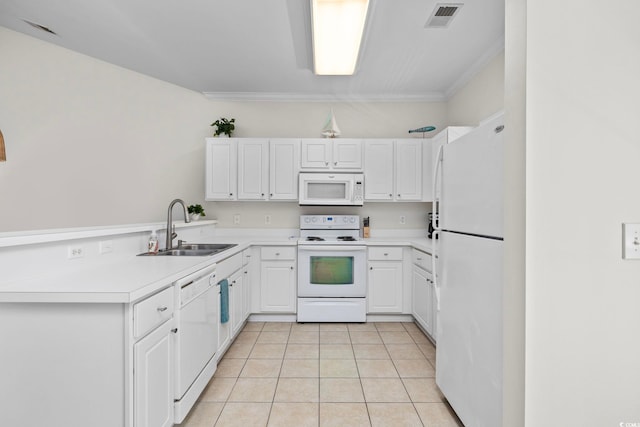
{"type": "Point", "coordinates": [278, 252]}
{"type": "Point", "coordinates": [246, 256]}
{"type": "Point", "coordinates": [227, 267]}
{"type": "Point", "coordinates": [152, 312]}
{"type": "Point", "coordinates": [382, 253]}
{"type": "Point", "coordinates": [422, 259]}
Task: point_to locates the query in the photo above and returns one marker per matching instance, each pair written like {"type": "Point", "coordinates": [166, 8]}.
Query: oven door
{"type": "Point", "coordinates": [332, 271]}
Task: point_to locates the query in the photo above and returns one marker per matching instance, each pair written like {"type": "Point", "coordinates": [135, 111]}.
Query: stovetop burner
{"type": "Point", "coordinates": [314, 239]}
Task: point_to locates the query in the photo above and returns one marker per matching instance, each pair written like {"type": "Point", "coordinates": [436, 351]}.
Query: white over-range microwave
{"type": "Point", "coordinates": [331, 189]}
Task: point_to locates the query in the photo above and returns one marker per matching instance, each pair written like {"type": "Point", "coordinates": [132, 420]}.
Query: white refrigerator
{"type": "Point", "coordinates": [469, 275]}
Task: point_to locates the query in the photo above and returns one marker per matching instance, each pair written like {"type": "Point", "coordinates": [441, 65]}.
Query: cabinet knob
{"type": "Point", "coordinates": [419, 259]}
{"type": "Point", "coordinates": [246, 272]}
{"type": "Point", "coordinates": [370, 268]}
{"type": "Point", "coordinates": [291, 267]}
{"type": "Point", "coordinates": [231, 194]}
{"type": "Point", "coordinates": [398, 195]}
{"type": "Point", "coordinates": [174, 330]}
{"type": "Point", "coordinates": [262, 194]}
{"type": "Point", "coordinates": [390, 195]}
{"type": "Point", "coordinates": [326, 163]}
{"type": "Point", "coordinates": [335, 163]}
{"type": "Point", "coordinates": [277, 253]}
{"type": "Point", "coordinates": [386, 254]}
{"type": "Point", "coordinates": [270, 194]}
{"type": "Point", "coordinates": [161, 309]}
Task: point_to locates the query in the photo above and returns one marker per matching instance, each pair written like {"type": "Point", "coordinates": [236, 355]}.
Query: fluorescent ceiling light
{"type": "Point", "coordinates": [337, 33]}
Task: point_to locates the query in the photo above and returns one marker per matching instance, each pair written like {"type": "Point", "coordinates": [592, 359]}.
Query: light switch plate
{"type": "Point", "coordinates": [630, 241]}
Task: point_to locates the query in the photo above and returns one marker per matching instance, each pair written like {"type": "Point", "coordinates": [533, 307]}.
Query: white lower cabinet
{"type": "Point", "coordinates": [423, 303]}
{"type": "Point", "coordinates": [278, 279]}
{"type": "Point", "coordinates": [231, 270]}
{"type": "Point", "coordinates": [237, 301]}
{"type": "Point", "coordinates": [153, 378]}
{"type": "Point", "coordinates": [385, 280]}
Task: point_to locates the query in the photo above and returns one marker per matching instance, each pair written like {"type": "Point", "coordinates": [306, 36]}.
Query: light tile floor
{"type": "Point", "coordinates": [326, 374]}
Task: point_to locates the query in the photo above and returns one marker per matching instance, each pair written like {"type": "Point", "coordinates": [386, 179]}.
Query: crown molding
{"type": "Point", "coordinates": [321, 97]}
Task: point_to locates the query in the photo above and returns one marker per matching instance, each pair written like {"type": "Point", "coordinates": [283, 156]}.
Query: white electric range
{"type": "Point", "coordinates": [332, 273]}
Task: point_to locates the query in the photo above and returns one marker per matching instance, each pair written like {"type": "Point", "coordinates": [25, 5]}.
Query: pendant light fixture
{"type": "Point", "coordinates": [337, 27]}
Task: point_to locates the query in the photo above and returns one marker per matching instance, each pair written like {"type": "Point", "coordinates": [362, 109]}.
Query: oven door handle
{"type": "Point", "coordinates": [334, 248]}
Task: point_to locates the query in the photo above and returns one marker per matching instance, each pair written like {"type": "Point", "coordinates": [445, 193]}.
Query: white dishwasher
{"type": "Point", "coordinates": [197, 337]}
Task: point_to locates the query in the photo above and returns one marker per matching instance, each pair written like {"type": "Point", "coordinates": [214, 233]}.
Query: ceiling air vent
{"type": "Point", "coordinates": [442, 15]}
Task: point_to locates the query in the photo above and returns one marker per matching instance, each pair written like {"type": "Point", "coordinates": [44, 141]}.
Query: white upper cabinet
{"type": "Point", "coordinates": [284, 160]}
{"type": "Point", "coordinates": [409, 170]}
{"type": "Point", "coordinates": [221, 169]}
{"type": "Point", "coordinates": [253, 169]}
{"type": "Point", "coordinates": [327, 154]}
{"type": "Point", "coordinates": [394, 170]}
{"type": "Point", "coordinates": [378, 169]}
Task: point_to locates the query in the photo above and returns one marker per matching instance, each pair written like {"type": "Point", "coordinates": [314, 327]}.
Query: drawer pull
{"type": "Point", "coordinates": [185, 285]}
{"type": "Point", "coordinates": [419, 259]}
{"type": "Point", "coordinates": [386, 254]}
{"type": "Point", "coordinates": [161, 309]}
{"type": "Point", "coordinates": [174, 330]}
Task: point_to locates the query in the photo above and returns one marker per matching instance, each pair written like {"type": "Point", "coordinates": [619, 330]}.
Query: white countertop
{"type": "Point", "coordinates": [132, 278]}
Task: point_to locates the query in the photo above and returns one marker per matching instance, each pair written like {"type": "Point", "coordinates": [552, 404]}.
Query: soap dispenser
{"type": "Point", "coordinates": [152, 245]}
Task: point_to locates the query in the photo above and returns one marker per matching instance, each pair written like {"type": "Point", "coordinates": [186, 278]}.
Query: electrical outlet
{"type": "Point", "coordinates": [106, 246]}
{"type": "Point", "coordinates": [236, 219]}
{"type": "Point", "coordinates": [403, 220]}
{"type": "Point", "coordinates": [75, 252]}
{"type": "Point", "coordinates": [630, 241]}
{"type": "Point", "coordinates": [267, 219]}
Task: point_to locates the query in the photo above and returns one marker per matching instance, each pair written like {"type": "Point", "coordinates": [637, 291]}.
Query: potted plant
{"type": "Point", "coordinates": [224, 126]}
{"type": "Point", "coordinates": [195, 211]}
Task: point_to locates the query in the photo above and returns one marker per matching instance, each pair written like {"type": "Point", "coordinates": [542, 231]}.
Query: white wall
{"type": "Point", "coordinates": [89, 143]}
{"type": "Point", "coordinates": [582, 299]}
{"type": "Point", "coordinates": [481, 97]}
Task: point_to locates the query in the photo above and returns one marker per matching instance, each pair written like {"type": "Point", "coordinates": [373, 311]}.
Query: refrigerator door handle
{"type": "Point", "coordinates": [436, 201]}
{"type": "Point", "coordinates": [434, 263]}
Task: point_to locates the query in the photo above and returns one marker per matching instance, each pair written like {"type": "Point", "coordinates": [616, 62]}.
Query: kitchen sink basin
{"type": "Point", "coordinates": [206, 246]}
{"type": "Point", "coordinates": [195, 249]}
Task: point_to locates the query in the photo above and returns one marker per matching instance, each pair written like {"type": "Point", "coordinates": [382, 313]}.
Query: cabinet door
{"type": "Point", "coordinates": [224, 329]}
{"type": "Point", "coordinates": [253, 165]}
{"type": "Point", "coordinates": [427, 171]}
{"type": "Point", "coordinates": [422, 299]}
{"type": "Point", "coordinates": [433, 308]}
{"type": "Point", "coordinates": [236, 301]}
{"type": "Point", "coordinates": [378, 170]}
{"type": "Point", "coordinates": [284, 161]}
{"type": "Point", "coordinates": [221, 169]}
{"type": "Point", "coordinates": [277, 286]}
{"type": "Point", "coordinates": [153, 378]}
{"type": "Point", "coordinates": [347, 154]}
{"type": "Point", "coordinates": [315, 153]}
{"type": "Point", "coordinates": [385, 287]}
{"type": "Point", "coordinates": [408, 170]}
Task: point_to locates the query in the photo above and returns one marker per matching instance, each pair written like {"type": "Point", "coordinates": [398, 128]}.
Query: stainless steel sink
{"type": "Point", "coordinates": [195, 249]}
{"type": "Point", "coordinates": [206, 246]}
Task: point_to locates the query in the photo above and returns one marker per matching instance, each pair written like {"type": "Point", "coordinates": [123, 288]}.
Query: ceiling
{"type": "Point", "coordinates": [261, 49]}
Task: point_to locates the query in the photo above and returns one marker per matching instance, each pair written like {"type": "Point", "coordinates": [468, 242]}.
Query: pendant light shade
{"type": "Point", "coordinates": [337, 27]}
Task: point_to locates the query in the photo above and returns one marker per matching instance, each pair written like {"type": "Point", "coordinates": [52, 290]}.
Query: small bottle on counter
{"type": "Point", "coordinates": [365, 227]}
{"type": "Point", "coordinates": [152, 245]}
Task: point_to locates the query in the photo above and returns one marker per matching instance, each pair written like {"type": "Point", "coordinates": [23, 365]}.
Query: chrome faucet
{"type": "Point", "coordinates": [171, 234]}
